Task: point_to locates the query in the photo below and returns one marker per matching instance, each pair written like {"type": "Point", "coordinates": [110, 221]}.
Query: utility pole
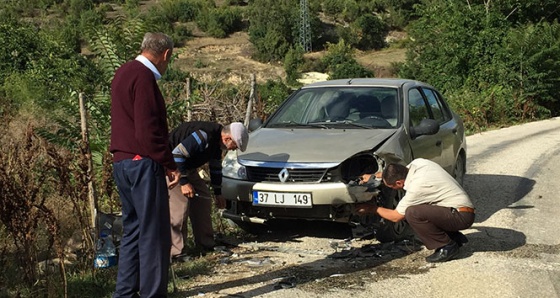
{"type": "Point", "coordinates": [305, 27]}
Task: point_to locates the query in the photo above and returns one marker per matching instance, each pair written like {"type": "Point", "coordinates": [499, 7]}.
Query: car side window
{"type": "Point", "coordinates": [435, 106]}
{"type": "Point", "coordinates": [417, 108]}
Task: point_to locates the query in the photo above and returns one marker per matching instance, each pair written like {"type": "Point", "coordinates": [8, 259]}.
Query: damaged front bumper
{"type": "Point", "coordinates": [329, 201]}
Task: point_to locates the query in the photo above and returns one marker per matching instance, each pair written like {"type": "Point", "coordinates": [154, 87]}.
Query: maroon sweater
{"type": "Point", "coordinates": [138, 116]}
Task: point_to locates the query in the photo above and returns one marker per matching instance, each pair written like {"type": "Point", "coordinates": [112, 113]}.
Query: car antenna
{"type": "Point", "coordinates": [350, 81]}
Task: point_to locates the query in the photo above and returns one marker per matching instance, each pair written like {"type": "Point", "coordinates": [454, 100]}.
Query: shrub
{"type": "Point", "coordinates": [340, 63]}
{"type": "Point", "coordinates": [220, 22]}
{"type": "Point", "coordinates": [292, 64]}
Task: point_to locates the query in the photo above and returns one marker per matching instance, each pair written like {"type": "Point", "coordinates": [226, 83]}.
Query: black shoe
{"type": "Point", "coordinates": [444, 254]}
{"type": "Point", "coordinates": [180, 258]}
{"type": "Point", "coordinates": [200, 250]}
{"type": "Point", "coordinates": [458, 237]}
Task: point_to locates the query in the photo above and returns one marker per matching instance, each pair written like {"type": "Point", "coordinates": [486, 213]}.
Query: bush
{"type": "Point", "coordinates": [292, 64]}
{"type": "Point", "coordinates": [181, 11]}
{"type": "Point", "coordinates": [220, 22]}
{"type": "Point", "coordinates": [272, 29]}
{"type": "Point", "coordinates": [340, 63]}
{"type": "Point", "coordinates": [371, 32]}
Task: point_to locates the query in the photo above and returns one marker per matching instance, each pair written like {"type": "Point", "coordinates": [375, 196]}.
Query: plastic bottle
{"type": "Point", "coordinates": [105, 252]}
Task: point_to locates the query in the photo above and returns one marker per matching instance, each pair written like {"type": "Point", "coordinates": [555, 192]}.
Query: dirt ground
{"type": "Point", "coordinates": [229, 58]}
{"type": "Point", "coordinates": [313, 256]}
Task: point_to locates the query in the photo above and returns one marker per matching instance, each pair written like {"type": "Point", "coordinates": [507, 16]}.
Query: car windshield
{"type": "Point", "coordinates": [339, 107]}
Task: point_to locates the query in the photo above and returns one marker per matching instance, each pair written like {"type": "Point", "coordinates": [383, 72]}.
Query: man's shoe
{"type": "Point", "coordinates": [458, 237]}
{"type": "Point", "coordinates": [180, 258]}
{"type": "Point", "coordinates": [444, 254]}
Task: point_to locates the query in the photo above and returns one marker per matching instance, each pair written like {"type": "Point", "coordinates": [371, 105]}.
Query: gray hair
{"type": "Point", "coordinates": [156, 43]}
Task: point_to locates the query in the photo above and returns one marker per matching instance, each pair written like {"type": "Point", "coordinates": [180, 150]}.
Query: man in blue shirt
{"type": "Point", "coordinates": [194, 144]}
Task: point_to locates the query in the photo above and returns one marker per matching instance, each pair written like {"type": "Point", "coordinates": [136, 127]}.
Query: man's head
{"type": "Point", "coordinates": [158, 48]}
{"type": "Point", "coordinates": [394, 176]}
{"type": "Point", "coordinates": [235, 136]}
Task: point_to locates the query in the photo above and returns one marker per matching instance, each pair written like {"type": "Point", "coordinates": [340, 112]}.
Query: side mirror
{"type": "Point", "coordinates": [426, 127]}
{"type": "Point", "coordinates": [254, 124]}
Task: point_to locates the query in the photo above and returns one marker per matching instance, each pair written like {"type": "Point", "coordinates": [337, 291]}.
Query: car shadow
{"type": "Point", "coordinates": [491, 193]}
{"type": "Point", "coordinates": [290, 230]}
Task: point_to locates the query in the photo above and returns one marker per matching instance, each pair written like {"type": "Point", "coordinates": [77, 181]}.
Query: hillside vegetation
{"type": "Point", "coordinates": [497, 62]}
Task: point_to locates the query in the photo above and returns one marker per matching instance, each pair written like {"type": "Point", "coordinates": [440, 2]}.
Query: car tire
{"type": "Point", "coordinates": [460, 169]}
{"type": "Point", "coordinates": [393, 231]}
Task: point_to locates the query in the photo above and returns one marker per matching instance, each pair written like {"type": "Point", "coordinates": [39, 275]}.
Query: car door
{"type": "Point", "coordinates": [426, 146]}
{"type": "Point", "coordinates": [447, 128]}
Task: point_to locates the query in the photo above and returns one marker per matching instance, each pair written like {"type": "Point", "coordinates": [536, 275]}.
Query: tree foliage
{"type": "Point", "coordinates": [273, 28]}
{"type": "Point", "coordinates": [494, 67]}
{"type": "Point", "coordinates": [220, 22]}
{"type": "Point", "coordinates": [292, 62]}
{"type": "Point", "coordinates": [340, 63]}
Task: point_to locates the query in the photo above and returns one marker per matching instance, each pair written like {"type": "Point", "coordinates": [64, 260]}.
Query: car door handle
{"type": "Point", "coordinates": [438, 143]}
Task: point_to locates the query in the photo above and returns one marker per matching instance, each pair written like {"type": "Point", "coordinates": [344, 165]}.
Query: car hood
{"type": "Point", "coordinates": [311, 145]}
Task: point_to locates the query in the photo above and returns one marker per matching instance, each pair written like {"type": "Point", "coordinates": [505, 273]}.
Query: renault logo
{"type": "Point", "coordinates": [283, 175]}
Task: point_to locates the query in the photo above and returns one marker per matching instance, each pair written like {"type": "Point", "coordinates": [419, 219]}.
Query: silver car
{"type": "Point", "coordinates": [306, 161]}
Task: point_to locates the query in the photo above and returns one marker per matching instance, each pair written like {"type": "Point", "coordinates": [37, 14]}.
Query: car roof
{"type": "Point", "coordinates": [379, 82]}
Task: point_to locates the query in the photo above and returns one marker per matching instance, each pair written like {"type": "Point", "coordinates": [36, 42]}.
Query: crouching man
{"type": "Point", "coordinates": [435, 206]}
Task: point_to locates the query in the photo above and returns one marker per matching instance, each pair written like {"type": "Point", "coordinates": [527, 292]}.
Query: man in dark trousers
{"type": "Point", "coordinates": [435, 206]}
{"type": "Point", "coordinates": [141, 161]}
{"type": "Point", "coordinates": [195, 144]}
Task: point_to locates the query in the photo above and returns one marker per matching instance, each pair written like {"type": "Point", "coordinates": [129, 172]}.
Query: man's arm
{"type": "Point", "coordinates": [388, 214]}
{"type": "Point", "coordinates": [215, 165]}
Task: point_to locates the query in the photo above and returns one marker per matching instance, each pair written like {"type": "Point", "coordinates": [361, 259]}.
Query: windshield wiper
{"type": "Point", "coordinates": [343, 122]}
{"type": "Point", "coordinates": [296, 124]}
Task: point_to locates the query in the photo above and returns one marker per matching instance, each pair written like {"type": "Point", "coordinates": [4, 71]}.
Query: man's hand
{"type": "Point", "coordinates": [188, 190]}
{"type": "Point", "coordinates": [220, 202]}
{"type": "Point", "coordinates": [172, 177]}
{"type": "Point", "coordinates": [366, 208]}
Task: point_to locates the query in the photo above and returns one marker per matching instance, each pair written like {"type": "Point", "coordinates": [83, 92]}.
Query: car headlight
{"type": "Point", "coordinates": [231, 168]}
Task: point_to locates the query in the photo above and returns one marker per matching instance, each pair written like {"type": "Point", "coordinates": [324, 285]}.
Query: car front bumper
{"type": "Point", "coordinates": [330, 201]}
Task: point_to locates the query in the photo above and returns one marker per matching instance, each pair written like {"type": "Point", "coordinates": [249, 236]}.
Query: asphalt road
{"type": "Point", "coordinates": [514, 248]}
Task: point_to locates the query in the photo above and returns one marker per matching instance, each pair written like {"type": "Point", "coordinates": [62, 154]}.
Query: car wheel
{"type": "Point", "coordinates": [393, 231]}
{"type": "Point", "coordinates": [459, 170]}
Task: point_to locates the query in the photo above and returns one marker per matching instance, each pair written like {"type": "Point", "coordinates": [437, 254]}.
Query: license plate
{"type": "Point", "coordinates": [286, 199]}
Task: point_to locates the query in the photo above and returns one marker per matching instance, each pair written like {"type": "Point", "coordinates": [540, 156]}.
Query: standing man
{"type": "Point", "coordinates": [435, 206]}
{"type": "Point", "coordinates": [141, 161]}
{"type": "Point", "coordinates": [195, 144]}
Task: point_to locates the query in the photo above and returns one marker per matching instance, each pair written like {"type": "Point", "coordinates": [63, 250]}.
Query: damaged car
{"type": "Point", "coordinates": [308, 160]}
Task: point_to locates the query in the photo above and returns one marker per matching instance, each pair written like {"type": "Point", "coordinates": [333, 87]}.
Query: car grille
{"type": "Point", "coordinates": [260, 174]}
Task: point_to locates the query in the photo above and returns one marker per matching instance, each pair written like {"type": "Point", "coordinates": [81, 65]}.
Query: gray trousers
{"type": "Point", "coordinates": [197, 209]}
{"type": "Point", "coordinates": [431, 223]}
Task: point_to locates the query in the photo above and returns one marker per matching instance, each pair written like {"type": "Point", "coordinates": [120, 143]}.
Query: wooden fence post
{"type": "Point", "coordinates": [189, 104]}
{"type": "Point", "coordinates": [251, 100]}
{"type": "Point", "coordinates": [85, 143]}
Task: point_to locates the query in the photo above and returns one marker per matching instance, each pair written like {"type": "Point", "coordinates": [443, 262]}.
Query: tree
{"type": "Point", "coordinates": [273, 28]}
{"type": "Point", "coordinates": [492, 71]}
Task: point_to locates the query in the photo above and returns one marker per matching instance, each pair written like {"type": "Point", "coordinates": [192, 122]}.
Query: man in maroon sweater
{"type": "Point", "coordinates": [141, 161]}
